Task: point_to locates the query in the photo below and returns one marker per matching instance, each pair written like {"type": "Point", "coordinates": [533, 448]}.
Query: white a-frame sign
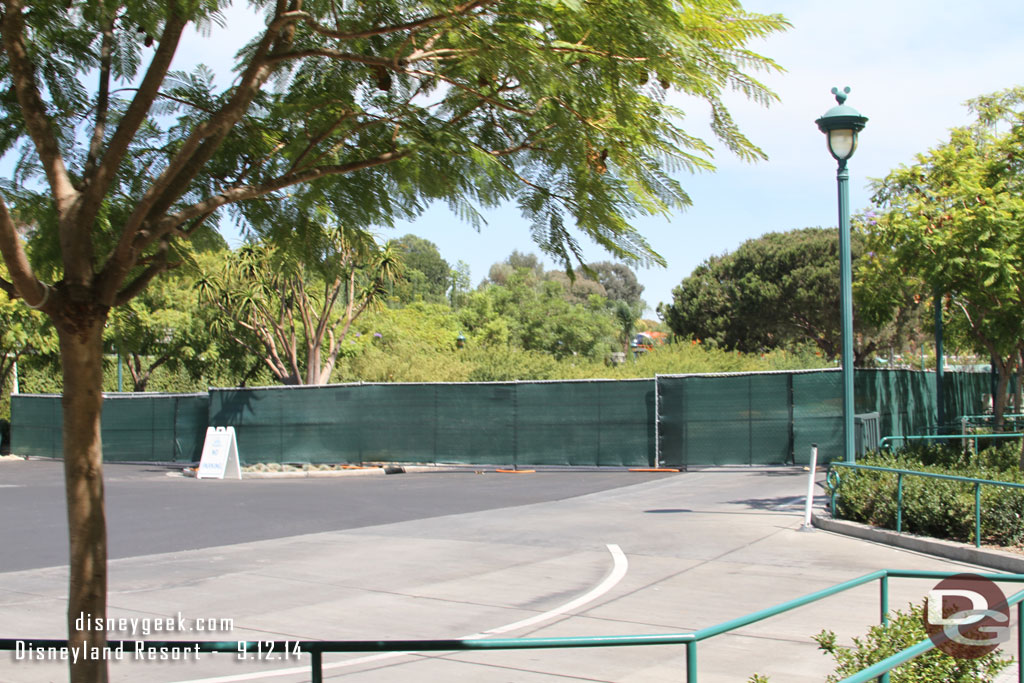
{"type": "Point", "coordinates": [220, 455]}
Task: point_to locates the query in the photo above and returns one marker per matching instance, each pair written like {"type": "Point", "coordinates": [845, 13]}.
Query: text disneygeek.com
{"type": "Point", "coordinates": [128, 649]}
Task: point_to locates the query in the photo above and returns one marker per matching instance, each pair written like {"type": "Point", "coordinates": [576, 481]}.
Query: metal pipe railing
{"type": "Point", "coordinates": [834, 482]}
{"type": "Point", "coordinates": [884, 441]}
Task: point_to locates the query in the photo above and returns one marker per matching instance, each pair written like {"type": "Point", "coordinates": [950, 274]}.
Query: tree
{"type": "Point", "coordinates": [22, 331]}
{"type": "Point", "coordinates": [619, 282]}
{"type": "Point", "coordinates": [778, 290]}
{"type": "Point", "coordinates": [537, 316]}
{"type": "Point", "coordinates": [428, 276]}
{"type": "Point", "coordinates": [460, 279]}
{"type": "Point", "coordinates": [282, 309]}
{"type": "Point", "coordinates": [163, 326]}
{"type": "Point", "coordinates": [578, 290]}
{"type": "Point", "coordinates": [625, 317]}
{"type": "Point", "coordinates": [954, 221]}
{"type": "Point", "coordinates": [368, 110]}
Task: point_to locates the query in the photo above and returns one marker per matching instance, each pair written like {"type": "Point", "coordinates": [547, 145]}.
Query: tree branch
{"type": "Point", "coordinates": [244, 192]}
{"type": "Point", "coordinates": [102, 99]}
{"type": "Point", "coordinates": [193, 154]}
{"type": "Point", "coordinates": [157, 266]}
{"type": "Point", "coordinates": [396, 28]}
{"type": "Point", "coordinates": [33, 109]}
{"type": "Point", "coordinates": [146, 94]}
{"type": "Point", "coordinates": [23, 280]}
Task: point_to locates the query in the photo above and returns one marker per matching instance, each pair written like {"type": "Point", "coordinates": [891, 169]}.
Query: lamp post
{"type": "Point", "coordinates": [841, 124]}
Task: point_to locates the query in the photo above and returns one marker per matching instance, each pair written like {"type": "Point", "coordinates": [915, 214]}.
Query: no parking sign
{"type": "Point", "coordinates": [220, 455]}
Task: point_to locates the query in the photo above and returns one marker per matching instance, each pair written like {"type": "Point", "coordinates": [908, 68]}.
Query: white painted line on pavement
{"type": "Point", "coordinates": [619, 568]}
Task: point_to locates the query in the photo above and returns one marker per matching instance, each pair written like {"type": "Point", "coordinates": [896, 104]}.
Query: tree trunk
{"type": "Point", "coordinates": [1018, 386]}
{"type": "Point", "coordinates": [81, 348]}
{"type": "Point", "coordinates": [999, 400]}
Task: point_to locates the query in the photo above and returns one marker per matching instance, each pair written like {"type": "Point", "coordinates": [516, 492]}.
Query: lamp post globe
{"type": "Point", "coordinates": [841, 125]}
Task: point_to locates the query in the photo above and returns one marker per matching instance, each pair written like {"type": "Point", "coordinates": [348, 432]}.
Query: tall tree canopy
{"type": "Point", "coordinates": [954, 222]}
{"type": "Point", "coordinates": [776, 291]}
{"type": "Point", "coordinates": [428, 277]}
{"type": "Point", "coordinates": [364, 110]}
{"type": "Point", "coordinates": [619, 282]}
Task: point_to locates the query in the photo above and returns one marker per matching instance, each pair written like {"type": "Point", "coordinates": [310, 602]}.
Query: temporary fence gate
{"type": "Point", "coordinates": [725, 419]}
{"type": "Point", "coordinates": [671, 420]}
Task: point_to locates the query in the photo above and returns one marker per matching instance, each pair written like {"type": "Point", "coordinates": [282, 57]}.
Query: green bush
{"type": "Point", "coordinates": [934, 507]}
{"type": "Point", "coordinates": [903, 630]}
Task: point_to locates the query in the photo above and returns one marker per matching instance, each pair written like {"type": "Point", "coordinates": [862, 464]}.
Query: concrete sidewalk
{"type": "Point", "coordinates": [701, 548]}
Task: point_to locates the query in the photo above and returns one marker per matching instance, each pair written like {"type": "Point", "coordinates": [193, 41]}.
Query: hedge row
{"type": "Point", "coordinates": [934, 507]}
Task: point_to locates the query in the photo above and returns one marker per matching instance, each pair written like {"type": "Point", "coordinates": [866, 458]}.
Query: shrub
{"type": "Point", "coordinates": [903, 630]}
{"type": "Point", "coordinates": [934, 507]}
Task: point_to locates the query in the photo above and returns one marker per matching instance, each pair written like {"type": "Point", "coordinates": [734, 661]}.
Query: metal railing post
{"type": "Point", "coordinates": [884, 602]}
{"type": "Point", "coordinates": [899, 503]}
{"type": "Point", "coordinates": [316, 667]}
{"type": "Point", "coordinates": [977, 515]}
{"type": "Point", "coordinates": [691, 662]}
{"type": "Point", "coordinates": [883, 595]}
{"type": "Point", "coordinates": [1020, 642]}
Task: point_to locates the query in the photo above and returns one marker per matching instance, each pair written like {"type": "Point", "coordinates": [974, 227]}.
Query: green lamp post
{"type": "Point", "coordinates": [841, 124]}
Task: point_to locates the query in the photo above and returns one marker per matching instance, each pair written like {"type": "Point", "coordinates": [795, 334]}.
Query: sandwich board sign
{"type": "Point", "coordinates": [220, 455]}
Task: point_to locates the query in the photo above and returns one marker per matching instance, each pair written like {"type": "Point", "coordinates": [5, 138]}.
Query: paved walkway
{"type": "Point", "coordinates": [696, 549]}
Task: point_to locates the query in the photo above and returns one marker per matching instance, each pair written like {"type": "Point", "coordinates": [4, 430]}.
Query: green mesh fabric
{"type": "Point", "coordinates": [536, 423]}
{"type": "Point", "coordinates": [725, 419]}
{"type": "Point", "coordinates": [755, 418]}
{"type": "Point", "coordinates": [136, 427]}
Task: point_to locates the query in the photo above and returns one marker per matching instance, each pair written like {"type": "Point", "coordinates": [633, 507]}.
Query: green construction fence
{"type": "Point", "coordinates": [671, 420]}
{"type": "Point", "coordinates": [137, 427]}
{"type": "Point", "coordinates": [775, 417]}
{"type": "Point", "coordinates": [597, 422]}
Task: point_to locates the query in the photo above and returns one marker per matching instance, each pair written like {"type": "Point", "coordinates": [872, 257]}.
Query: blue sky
{"type": "Point", "coordinates": [910, 63]}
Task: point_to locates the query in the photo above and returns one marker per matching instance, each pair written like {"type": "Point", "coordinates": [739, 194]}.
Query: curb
{"type": "Point", "coordinates": [313, 474]}
{"type": "Point", "coordinates": [348, 472]}
{"type": "Point", "coordinates": [950, 550]}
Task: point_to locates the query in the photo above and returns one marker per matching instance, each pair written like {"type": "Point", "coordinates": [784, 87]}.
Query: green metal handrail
{"type": "Point", "coordinates": [316, 648]}
{"type": "Point", "coordinates": [990, 417]}
{"type": "Point", "coordinates": [883, 442]}
{"type": "Point", "coordinates": [833, 480]}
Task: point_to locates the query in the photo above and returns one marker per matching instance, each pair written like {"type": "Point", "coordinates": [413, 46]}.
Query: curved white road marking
{"type": "Point", "coordinates": [619, 568]}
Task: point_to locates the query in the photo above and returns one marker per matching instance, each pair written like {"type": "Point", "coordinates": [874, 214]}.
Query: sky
{"type": "Point", "coordinates": [910, 64]}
